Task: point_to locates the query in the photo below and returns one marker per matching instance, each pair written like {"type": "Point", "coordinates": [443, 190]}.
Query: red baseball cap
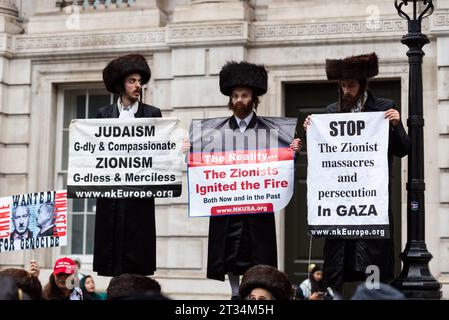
{"type": "Point", "coordinates": [64, 265]}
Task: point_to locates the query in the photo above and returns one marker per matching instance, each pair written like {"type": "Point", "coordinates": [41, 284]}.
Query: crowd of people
{"type": "Point", "coordinates": [260, 282]}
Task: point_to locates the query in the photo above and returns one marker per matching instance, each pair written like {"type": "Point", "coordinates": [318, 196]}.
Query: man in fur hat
{"type": "Point", "coordinates": [236, 243]}
{"type": "Point", "coordinates": [346, 260]}
{"type": "Point", "coordinates": [263, 282]}
{"type": "Point", "coordinates": [125, 232]}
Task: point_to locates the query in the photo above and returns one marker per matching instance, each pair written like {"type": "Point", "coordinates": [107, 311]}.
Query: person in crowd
{"type": "Point", "coordinates": [63, 283]}
{"type": "Point", "coordinates": [382, 292]}
{"type": "Point", "coordinates": [9, 289]}
{"type": "Point", "coordinates": [87, 285]}
{"type": "Point", "coordinates": [127, 286]}
{"type": "Point", "coordinates": [314, 288]}
{"type": "Point", "coordinates": [78, 268]}
{"type": "Point", "coordinates": [25, 281]}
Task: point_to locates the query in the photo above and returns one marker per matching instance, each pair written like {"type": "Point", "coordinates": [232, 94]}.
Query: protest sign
{"type": "Point", "coordinates": [347, 175]}
{"type": "Point", "coordinates": [231, 172]}
{"type": "Point", "coordinates": [118, 158]}
{"type": "Point", "coordinates": [33, 220]}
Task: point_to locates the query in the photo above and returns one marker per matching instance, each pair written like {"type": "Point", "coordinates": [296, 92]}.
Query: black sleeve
{"type": "Point", "coordinates": [400, 140]}
{"type": "Point", "coordinates": [99, 115]}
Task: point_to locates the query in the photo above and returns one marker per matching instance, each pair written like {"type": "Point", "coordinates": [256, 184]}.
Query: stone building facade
{"type": "Point", "coordinates": [52, 54]}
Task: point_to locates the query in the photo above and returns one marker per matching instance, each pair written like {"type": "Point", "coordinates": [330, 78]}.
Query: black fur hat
{"type": "Point", "coordinates": [356, 67]}
{"type": "Point", "coordinates": [119, 68]}
{"type": "Point", "coordinates": [268, 278]}
{"type": "Point", "coordinates": [243, 74]}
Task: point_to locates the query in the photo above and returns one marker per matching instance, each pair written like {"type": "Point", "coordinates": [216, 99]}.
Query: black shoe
{"type": "Point", "coordinates": [237, 297]}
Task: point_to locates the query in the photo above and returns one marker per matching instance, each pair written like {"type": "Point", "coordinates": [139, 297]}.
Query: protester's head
{"type": "Point", "coordinates": [126, 75]}
{"type": "Point", "coordinates": [46, 215]}
{"type": "Point", "coordinates": [269, 282]}
{"type": "Point", "coordinates": [260, 294]}
{"type": "Point", "coordinates": [8, 288]}
{"type": "Point", "coordinates": [87, 284]}
{"type": "Point", "coordinates": [353, 74]}
{"type": "Point", "coordinates": [25, 281]}
{"type": "Point", "coordinates": [61, 280]}
{"type": "Point", "coordinates": [62, 270]}
{"type": "Point", "coordinates": [384, 292]}
{"type": "Point", "coordinates": [77, 263]}
{"type": "Point", "coordinates": [243, 83]}
{"type": "Point", "coordinates": [316, 272]}
{"type": "Point", "coordinates": [126, 285]}
{"type": "Point", "coordinates": [242, 101]}
{"type": "Point", "coordinates": [21, 218]}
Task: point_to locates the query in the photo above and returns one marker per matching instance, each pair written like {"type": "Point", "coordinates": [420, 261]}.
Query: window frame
{"type": "Point", "coordinates": [62, 91]}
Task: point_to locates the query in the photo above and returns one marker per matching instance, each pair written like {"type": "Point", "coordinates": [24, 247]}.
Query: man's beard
{"type": "Point", "coordinates": [348, 102]}
{"type": "Point", "coordinates": [241, 109]}
{"type": "Point", "coordinates": [131, 97]}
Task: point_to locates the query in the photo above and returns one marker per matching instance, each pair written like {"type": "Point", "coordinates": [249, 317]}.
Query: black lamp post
{"type": "Point", "coordinates": [415, 280]}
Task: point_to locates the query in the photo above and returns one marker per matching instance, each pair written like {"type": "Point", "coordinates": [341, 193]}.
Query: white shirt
{"type": "Point", "coordinates": [245, 122]}
{"type": "Point", "coordinates": [76, 294]}
{"type": "Point", "coordinates": [359, 106]}
{"type": "Point", "coordinates": [126, 113]}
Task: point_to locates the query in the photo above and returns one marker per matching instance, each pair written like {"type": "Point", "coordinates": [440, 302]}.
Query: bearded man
{"type": "Point", "coordinates": [346, 260]}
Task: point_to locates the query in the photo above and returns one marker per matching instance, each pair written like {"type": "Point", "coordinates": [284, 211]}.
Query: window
{"type": "Point", "coordinates": [78, 104]}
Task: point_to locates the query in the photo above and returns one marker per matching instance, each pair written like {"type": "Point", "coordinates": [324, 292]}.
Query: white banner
{"type": "Point", "coordinates": [33, 220]}
{"type": "Point", "coordinates": [125, 158]}
{"type": "Point", "coordinates": [347, 177]}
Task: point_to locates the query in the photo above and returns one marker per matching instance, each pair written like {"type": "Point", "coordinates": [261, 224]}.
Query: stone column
{"type": "Point", "coordinates": [442, 151]}
{"type": "Point", "coordinates": [14, 116]}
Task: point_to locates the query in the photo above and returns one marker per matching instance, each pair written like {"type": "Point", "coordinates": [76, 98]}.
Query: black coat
{"type": "Point", "coordinates": [236, 243]}
{"type": "Point", "coordinates": [346, 260]}
{"type": "Point", "coordinates": [125, 229]}
{"type": "Point", "coordinates": [47, 233]}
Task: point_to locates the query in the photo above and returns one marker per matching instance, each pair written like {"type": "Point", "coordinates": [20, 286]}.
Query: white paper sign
{"type": "Point", "coordinates": [347, 179]}
{"type": "Point", "coordinates": [125, 158]}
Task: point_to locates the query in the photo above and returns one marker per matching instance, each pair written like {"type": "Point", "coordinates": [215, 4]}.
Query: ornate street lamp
{"type": "Point", "coordinates": [415, 280]}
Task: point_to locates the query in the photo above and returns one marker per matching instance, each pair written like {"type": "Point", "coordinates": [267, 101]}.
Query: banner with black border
{"type": "Point", "coordinates": [347, 177]}
{"type": "Point", "coordinates": [125, 158]}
